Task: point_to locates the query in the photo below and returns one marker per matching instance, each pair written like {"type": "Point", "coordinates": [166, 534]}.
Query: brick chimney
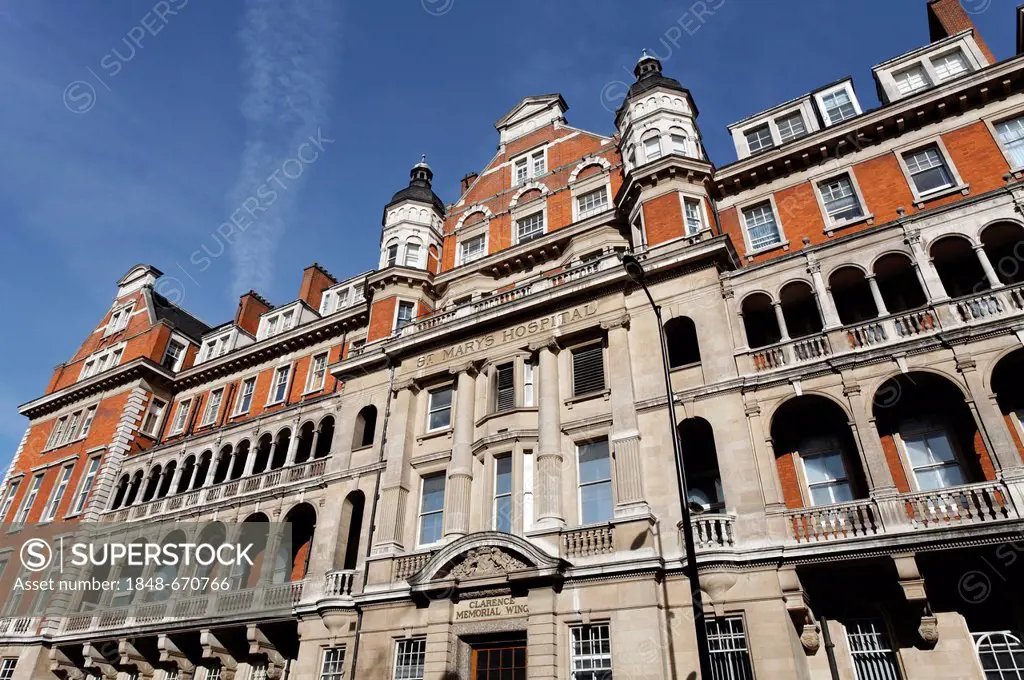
{"type": "Point", "coordinates": [250, 308]}
{"type": "Point", "coordinates": [315, 280]}
{"type": "Point", "coordinates": [468, 180]}
{"type": "Point", "coordinates": [946, 17]}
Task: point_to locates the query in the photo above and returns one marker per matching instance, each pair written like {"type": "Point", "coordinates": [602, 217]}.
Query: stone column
{"type": "Point", "coordinates": [876, 295]}
{"type": "Point", "coordinates": [179, 467]}
{"type": "Point", "coordinates": [1000, 444]}
{"type": "Point", "coordinates": [458, 488]}
{"type": "Point", "coordinates": [986, 264]}
{"type": "Point", "coordinates": [781, 318]}
{"type": "Point", "coordinates": [829, 314]}
{"type": "Point", "coordinates": [293, 444]}
{"type": "Point", "coordinates": [250, 460]}
{"type": "Point", "coordinates": [394, 492]}
{"type": "Point", "coordinates": [876, 466]}
{"type": "Point", "coordinates": [625, 435]}
{"type": "Point", "coordinates": [548, 482]}
{"type": "Point", "coordinates": [933, 287]}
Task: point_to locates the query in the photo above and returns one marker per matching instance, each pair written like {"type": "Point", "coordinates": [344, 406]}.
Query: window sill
{"type": "Point", "coordinates": [603, 394]}
{"type": "Point", "coordinates": [836, 226]}
{"type": "Point", "coordinates": [506, 412]}
{"type": "Point", "coordinates": [783, 245]}
{"type": "Point", "coordinates": [920, 200]}
{"type": "Point", "coordinates": [435, 434]}
{"type": "Point", "coordinates": [314, 390]}
{"type": "Point", "coordinates": [683, 367]}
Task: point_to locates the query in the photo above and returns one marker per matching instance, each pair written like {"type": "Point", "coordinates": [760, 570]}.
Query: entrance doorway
{"type": "Point", "coordinates": [499, 659]}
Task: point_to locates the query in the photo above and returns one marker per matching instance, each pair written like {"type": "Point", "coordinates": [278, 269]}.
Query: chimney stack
{"type": "Point", "coordinates": [947, 17]}
{"type": "Point", "coordinates": [315, 280]}
{"type": "Point", "coordinates": [468, 180]}
{"type": "Point", "coordinates": [251, 307]}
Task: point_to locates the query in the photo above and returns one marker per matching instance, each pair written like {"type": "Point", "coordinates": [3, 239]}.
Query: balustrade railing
{"type": "Point", "coordinates": [970, 504]}
{"type": "Point", "coordinates": [407, 565]}
{"type": "Point", "coordinates": [340, 583]}
{"type": "Point", "coordinates": [834, 522]}
{"type": "Point", "coordinates": [713, 531]}
{"type": "Point", "coordinates": [589, 541]}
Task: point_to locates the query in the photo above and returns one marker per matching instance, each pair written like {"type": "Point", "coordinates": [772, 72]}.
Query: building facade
{"type": "Point", "coordinates": [469, 446]}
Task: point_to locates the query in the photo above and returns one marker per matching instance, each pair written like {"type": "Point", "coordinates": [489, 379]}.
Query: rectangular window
{"type": "Point", "coordinates": [412, 254]}
{"type": "Point", "coordinates": [212, 407]}
{"type": "Point", "coordinates": [405, 312]}
{"type": "Point", "coordinates": [527, 384]}
{"type": "Point", "coordinates": [7, 667]}
{"type": "Point", "coordinates": [439, 409]}
{"type": "Point", "coordinates": [522, 171]}
{"type": "Point", "coordinates": [89, 368]}
{"type": "Point", "coordinates": [432, 509]}
{"type": "Point", "coordinates": [652, 148]}
{"type": "Point", "coordinates": [245, 396]}
{"type": "Point", "coordinates": [287, 320]}
{"type": "Point", "coordinates": [209, 348]}
{"type": "Point", "coordinates": [503, 494]}
{"type": "Point", "coordinates": [727, 641]}
{"type": "Point", "coordinates": [791, 127]}
{"type": "Point", "coordinates": [29, 500]}
{"type": "Point", "coordinates": [151, 422]}
{"type": "Point", "coordinates": [933, 461]}
{"type": "Point", "coordinates": [90, 413]}
{"type": "Point", "coordinates": [181, 416]}
{"type": "Point", "coordinates": [530, 227]}
{"type": "Point", "coordinates": [539, 165]}
{"type": "Point", "coordinates": [58, 432]}
{"type": "Point", "coordinates": [317, 373]}
{"type": "Point", "coordinates": [838, 106]}
{"type": "Point", "coordinates": [762, 228]}
{"type": "Point", "coordinates": [505, 387]}
{"type": "Point", "coordinates": [928, 169]}
{"type": "Point", "coordinates": [841, 202]}
{"type": "Point", "coordinates": [173, 355]}
{"type": "Point", "coordinates": [911, 80]}
{"type": "Point", "coordinates": [410, 659]}
{"type": "Point", "coordinates": [279, 390]}
{"type": "Point", "coordinates": [826, 478]}
{"type": "Point", "coordinates": [473, 248]}
{"type": "Point", "coordinates": [58, 494]}
{"type": "Point", "coordinates": [587, 369]}
{"type": "Point", "coordinates": [1011, 136]}
{"type": "Point", "coordinates": [9, 499]}
{"type": "Point", "coordinates": [592, 203]}
{"type": "Point", "coordinates": [759, 139]}
{"type": "Point", "coordinates": [591, 652]}
{"type": "Point", "coordinates": [119, 319]}
{"type": "Point", "coordinates": [325, 303]}
{"type": "Point", "coordinates": [595, 468]}
{"type": "Point", "coordinates": [85, 486]}
{"type": "Point", "coordinates": [950, 65]}
{"type": "Point", "coordinates": [873, 656]}
{"type": "Point", "coordinates": [72, 428]}
{"type": "Point", "coordinates": [334, 664]}
{"type": "Point", "coordinates": [694, 218]}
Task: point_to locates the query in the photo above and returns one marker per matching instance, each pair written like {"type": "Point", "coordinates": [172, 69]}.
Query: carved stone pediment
{"type": "Point", "coordinates": [486, 562]}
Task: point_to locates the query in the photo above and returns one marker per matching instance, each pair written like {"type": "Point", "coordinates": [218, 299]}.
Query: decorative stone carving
{"type": "Point", "coordinates": [929, 630]}
{"type": "Point", "coordinates": [810, 638]}
{"type": "Point", "coordinates": [486, 562]}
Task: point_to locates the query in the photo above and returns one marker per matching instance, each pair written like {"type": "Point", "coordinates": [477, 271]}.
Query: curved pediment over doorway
{"type": "Point", "coordinates": [488, 559]}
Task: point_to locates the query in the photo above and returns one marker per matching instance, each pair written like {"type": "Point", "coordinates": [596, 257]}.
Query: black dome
{"type": "Point", "coordinates": [419, 189]}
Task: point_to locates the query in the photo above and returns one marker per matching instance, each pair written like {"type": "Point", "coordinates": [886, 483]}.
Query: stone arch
{"type": "Point", "coordinates": [588, 162]}
{"type": "Point", "coordinates": [531, 186]}
{"type": "Point", "coordinates": [521, 555]}
{"type": "Point", "coordinates": [473, 210]}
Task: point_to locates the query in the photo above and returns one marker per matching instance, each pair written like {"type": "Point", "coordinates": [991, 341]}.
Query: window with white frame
{"type": "Point", "coordinates": [405, 313]}
{"type": "Point", "coordinates": [730, 655]}
{"type": "Point", "coordinates": [7, 667]}
{"type": "Point", "coordinates": [29, 500]}
{"type": "Point", "coordinates": [761, 225]}
{"type": "Point", "coordinates": [1001, 654]}
{"type": "Point", "coordinates": [101, 361]}
{"type": "Point", "coordinates": [317, 373]}
{"type": "Point", "coordinates": [413, 248]}
{"type": "Point", "coordinates": [439, 409]}
{"type": "Point", "coordinates": [694, 216]}
{"type": "Point", "coordinates": [873, 655]}
{"type": "Point", "coordinates": [840, 199]}
{"type": "Point", "coordinates": [258, 672]}
{"type": "Point", "coordinates": [529, 166]}
{"type": "Point", "coordinates": [759, 138]}
{"type": "Point", "coordinates": [472, 248]}
{"type": "Point", "coordinates": [431, 522]}
{"type": "Point", "coordinates": [173, 355]}
{"type": "Point", "coordinates": [1011, 136]}
{"type": "Point", "coordinates": [527, 384]}
{"type": "Point", "coordinates": [588, 369]}
{"type": "Point", "coordinates": [591, 653]}
{"type": "Point", "coordinates": [90, 414]}
{"type": "Point", "coordinates": [410, 659]}
{"type": "Point", "coordinates": [950, 65]}
{"type": "Point", "coordinates": [279, 323]}
{"type": "Point", "coordinates": [825, 471]}
{"type": "Point", "coordinates": [215, 347]}
{"type": "Point", "coordinates": [838, 106]}
{"type": "Point", "coordinates": [504, 387]}
{"type": "Point", "coordinates": [503, 494]}
{"type": "Point", "coordinates": [327, 301]}
{"type": "Point", "coordinates": [57, 433]}
{"type": "Point", "coordinates": [245, 393]}
{"type": "Point", "coordinates": [333, 666]}
{"type": "Point", "coordinates": [791, 126]}
{"type": "Point", "coordinates": [595, 482]}
{"type": "Point", "coordinates": [212, 406]}
{"type": "Point", "coordinates": [911, 79]}
{"type": "Point", "coordinates": [391, 253]}
{"type": "Point", "coordinates": [181, 416]}
{"type": "Point", "coordinates": [932, 458]}
{"type": "Point", "coordinates": [592, 203]}
{"type": "Point", "coordinates": [85, 486]}
{"type": "Point", "coordinates": [680, 141]}
{"type": "Point", "coordinates": [151, 421]}
{"type": "Point", "coordinates": [279, 386]}
{"type": "Point", "coordinates": [12, 489]}
{"type": "Point", "coordinates": [530, 227]}
{"type": "Point", "coordinates": [652, 148]}
{"type": "Point", "coordinates": [119, 319]}
{"type": "Point", "coordinates": [58, 493]}
{"type": "Point", "coordinates": [928, 169]}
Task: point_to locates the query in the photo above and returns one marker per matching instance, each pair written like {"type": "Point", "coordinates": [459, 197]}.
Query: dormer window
{"type": "Point", "coordinates": [837, 105]}
{"type": "Point", "coordinates": [279, 323]}
{"type": "Point", "coordinates": [529, 166]}
{"type": "Point", "coordinates": [791, 127]}
{"type": "Point", "coordinates": [173, 355]}
{"type": "Point", "coordinates": [119, 319]}
{"type": "Point", "coordinates": [911, 79]}
{"type": "Point", "coordinates": [950, 65]}
{"type": "Point", "coordinates": [215, 347]}
{"type": "Point", "coordinates": [759, 139]}
{"type": "Point", "coordinates": [101, 361]}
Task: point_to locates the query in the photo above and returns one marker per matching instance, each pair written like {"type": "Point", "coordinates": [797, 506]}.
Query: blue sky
{"type": "Point", "coordinates": [131, 130]}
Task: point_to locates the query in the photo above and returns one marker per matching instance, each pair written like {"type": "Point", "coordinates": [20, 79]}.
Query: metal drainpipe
{"type": "Point", "coordinates": [829, 648]}
{"type": "Point", "coordinates": [373, 523]}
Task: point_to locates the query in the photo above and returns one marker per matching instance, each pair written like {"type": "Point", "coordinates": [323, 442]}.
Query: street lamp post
{"type": "Point", "coordinates": [636, 273]}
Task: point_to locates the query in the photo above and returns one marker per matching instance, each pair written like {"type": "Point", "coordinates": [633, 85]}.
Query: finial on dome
{"type": "Point", "coordinates": [647, 66]}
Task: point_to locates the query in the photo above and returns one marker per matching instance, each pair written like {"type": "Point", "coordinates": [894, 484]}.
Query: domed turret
{"type": "Point", "coordinates": [412, 222]}
{"type": "Point", "coordinates": [419, 189]}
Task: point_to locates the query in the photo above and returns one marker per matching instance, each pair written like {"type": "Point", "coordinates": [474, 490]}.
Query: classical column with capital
{"type": "Point", "coordinates": [460, 470]}
{"type": "Point", "coordinates": [625, 434]}
{"type": "Point", "coordinates": [394, 492]}
{"type": "Point", "coordinates": [549, 442]}
{"type": "Point", "coordinates": [933, 288]}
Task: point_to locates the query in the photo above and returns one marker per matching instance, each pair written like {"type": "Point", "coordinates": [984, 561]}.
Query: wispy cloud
{"type": "Point", "coordinates": [289, 57]}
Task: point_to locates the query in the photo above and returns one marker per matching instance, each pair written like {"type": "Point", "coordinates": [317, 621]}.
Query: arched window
{"type": "Point", "coordinates": [898, 284]}
{"type": "Point", "coordinates": [301, 521]}
{"type": "Point", "coordinates": [680, 141]}
{"type": "Point", "coordinates": [324, 438]}
{"type": "Point", "coordinates": [800, 309]}
{"type": "Point", "coordinates": [120, 493]}
{"type": "Point", "coordinates": [168, 477]}
{"type": "Point", "coordinates": [700, 458]}
{"type": "Point", "coordinates": [366, 426]}
{"type": "Point", "coordinates": [187, 472]}
{"type": "Point", "coordinates": [305, 447]}
{"type": "Point", "coordinates": [652, 146]}
{"type": "Point", "coordinates": [152, 484]}
{"type": "Point", "coordinates": [241, 458]}
{"type": "Point", "coordinates": [681, 336]}
{"type": "Point", "coordinates": [413, 253]}
{"type": "Point", "coordinates": [1003, 245]}
{"type": "Point", "coordinates": [281, 444]}
{"type": "Point", "coordinates": [759, 321]}
{"type": "Point", "coordinates": [347, 551]}
{"type": "Point", "coordinates": [390, 253]}
{"type": "Point", "coordinates": [852, 295]}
